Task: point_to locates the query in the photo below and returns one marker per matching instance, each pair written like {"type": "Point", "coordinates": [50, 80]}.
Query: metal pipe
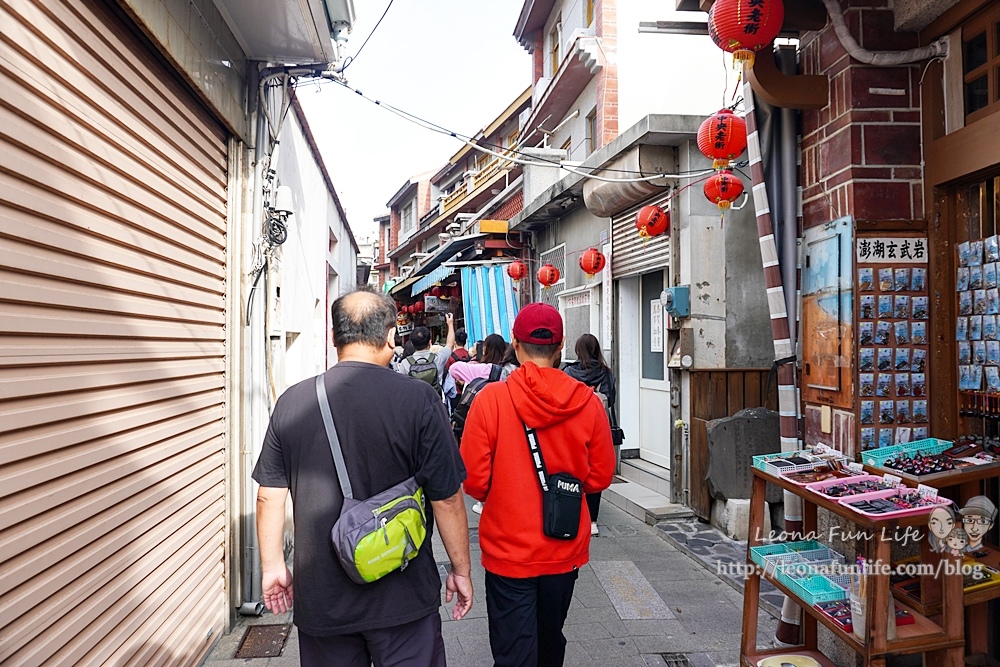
{"type": "Point", "coordinates": [881, 58]}
{"type": "Point", "coordinates": [788, 154]}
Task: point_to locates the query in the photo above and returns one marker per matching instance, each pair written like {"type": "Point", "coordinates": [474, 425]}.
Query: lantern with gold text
{"type": "Point", "coordinates": [723, 188]}
{"type": "Point", "coordinates": [722, 137]}
{"type": "Point", "coordinates": [517, 270]}
{"type": "Point", "coordinates": [743, 27]}
{"type": "Point", "coordinates": [592, 261]}
{"type": "Point", "coordinates": [651, 221]}
{"type": "Point", "coordinates": [548, 276]}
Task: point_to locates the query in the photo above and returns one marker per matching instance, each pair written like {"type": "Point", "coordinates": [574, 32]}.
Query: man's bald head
{"type": "Point", "coordinates": [362, 317]}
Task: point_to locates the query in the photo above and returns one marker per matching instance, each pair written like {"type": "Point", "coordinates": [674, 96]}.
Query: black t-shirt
{"type": "Point", "coordinates": [390, 428]}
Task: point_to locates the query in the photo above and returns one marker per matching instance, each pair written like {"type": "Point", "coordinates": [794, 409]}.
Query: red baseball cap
{"type": "Point", "coordinates": [539, 324]}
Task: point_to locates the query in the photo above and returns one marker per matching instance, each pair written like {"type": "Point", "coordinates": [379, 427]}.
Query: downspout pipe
{"type": "Point", "coordinates": [936, 49]}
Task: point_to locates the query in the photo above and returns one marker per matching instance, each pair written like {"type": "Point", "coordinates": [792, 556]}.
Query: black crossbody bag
{"type": "Point", "coordinates": [562, 495]}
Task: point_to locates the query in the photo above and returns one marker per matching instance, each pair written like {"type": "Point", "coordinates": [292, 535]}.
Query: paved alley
{"type": "Point", "coordinates": [639, 598]}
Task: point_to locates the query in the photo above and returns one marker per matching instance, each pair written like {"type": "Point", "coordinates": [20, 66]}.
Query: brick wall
{"type": "Point", "coordinates": [606, 28]}
{"type": "Point", "coordinates": [861, 154]}
{"type": "Point", "coordinates": [393, 232]}
{"type": "Point", "coordinates": [538, 57]}
{"type": "Point", "coordinates": [509, 208]}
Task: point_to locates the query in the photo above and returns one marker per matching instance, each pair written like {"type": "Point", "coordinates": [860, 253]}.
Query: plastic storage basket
{"type": "Point", "coordinates": [759, 554]}
{"type": "Point", "coordinates": [763, 461]}
{"type": "Point", "coordinates": [878, 457]}
{"type": "Point", "coordinates": [812, 589]}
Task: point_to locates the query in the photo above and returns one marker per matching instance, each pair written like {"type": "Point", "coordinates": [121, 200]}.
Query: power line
{"type": "Point", "coordinates": [532, 160]}
{"type": "Point", "coordinates": [351, 59]}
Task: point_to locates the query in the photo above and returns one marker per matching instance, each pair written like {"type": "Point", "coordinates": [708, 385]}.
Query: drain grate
{"type": "Point", "coordinates": [675, 660]}
{"type": "Point", "coordinates": [263, 641]}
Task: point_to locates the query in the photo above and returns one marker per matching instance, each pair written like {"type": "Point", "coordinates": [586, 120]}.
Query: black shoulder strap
{"type": "Point", "coordinates": [536, 454]}
{"type": "Point", "coordinates": [536, 457]}
{"type": "Point", "coordinates": [495, 372]}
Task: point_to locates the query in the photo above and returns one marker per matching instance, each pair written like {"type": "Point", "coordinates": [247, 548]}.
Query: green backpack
{"type": "Point", "coordinates": [426, 370]}
{"type": "Point", "coordinates": [381, 534]}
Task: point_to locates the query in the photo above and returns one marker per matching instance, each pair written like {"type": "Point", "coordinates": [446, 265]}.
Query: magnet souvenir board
{"type": "Point", "coordinates": [893, 319]}
{"type": "Point", "coordinates": [978, 341]}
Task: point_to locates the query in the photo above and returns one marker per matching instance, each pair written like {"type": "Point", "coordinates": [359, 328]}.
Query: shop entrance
{"type": "Point", "coordinates": [644, 384]}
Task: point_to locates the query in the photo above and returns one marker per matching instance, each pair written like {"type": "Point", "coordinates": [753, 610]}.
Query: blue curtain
{"type": "Point", "coordinates": [489, 302]}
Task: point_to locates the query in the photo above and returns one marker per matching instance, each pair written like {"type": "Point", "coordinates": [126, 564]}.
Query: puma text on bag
{"type": "Point", "coordinates": [425, 370]}
{"type": "Point", "coordinates": [562, 495]}
{"type": "Point", "coordinates": [379, 535]}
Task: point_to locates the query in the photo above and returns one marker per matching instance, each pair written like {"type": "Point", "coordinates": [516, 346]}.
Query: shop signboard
{"type": "Point", "coordinates": [434, 304]}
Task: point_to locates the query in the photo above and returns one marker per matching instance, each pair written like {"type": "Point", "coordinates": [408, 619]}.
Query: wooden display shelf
{"type": "Point", "coordinates": [921, 635]}
{"type": "Point", "coordinates": [751, 659]}
{"type": "Point", "coordinates": [969, 598]}
{"type": "Point", "coordinates": [943, 641]}
{"type": "Point", "coordinates": [956, 477]}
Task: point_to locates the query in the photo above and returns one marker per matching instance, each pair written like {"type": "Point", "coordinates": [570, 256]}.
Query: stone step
{"type": "Point", "coordinates": [644, 503]}
{"type": "Point", "coordinates": [653, 477]}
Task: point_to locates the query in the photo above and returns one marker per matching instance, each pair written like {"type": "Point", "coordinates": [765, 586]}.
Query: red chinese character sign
{"type": "Point", "coordinates": [743, 27]}
{"type": "Point", "coordinates": [548, 276]}
{"type": "Point", "coordinates": [592, 261]}
{"type": "Point", "coordinates": [652, 221]}
{"type": "Point", "coordinates": [722, 137]}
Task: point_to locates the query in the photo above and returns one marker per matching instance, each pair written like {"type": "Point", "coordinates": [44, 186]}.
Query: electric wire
{"type": "Point", "coordinates": [531, 160]}
{"type": "Point", "coordinates": [351, 59]}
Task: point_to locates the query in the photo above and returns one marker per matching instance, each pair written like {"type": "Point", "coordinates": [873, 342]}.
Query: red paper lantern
{"type": "Point", "coordinates": [517, 270]}
{"type": "Point", "coordinates": [435, 291]}
{"type": "Point", "coordinates": [652, 221]}
{"type": "Point", "coordinates": [548, 275]}
{"type": "Point", "coordinates": [419, 305]}
{"type": "Point", "coordinates": [743, 27]}
{"type": "Point", "coordinates": [592, 261]}
{"type": "Point", "coordinates": [722, 137]}
{"type": "Point", "coordinates": [723, 188]}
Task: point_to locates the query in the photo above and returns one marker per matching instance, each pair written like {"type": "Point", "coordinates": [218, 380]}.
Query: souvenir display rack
{"type": "Point", "coordinates": [892, 340]}
{"type": "Point", "coordinates": [944, 641]}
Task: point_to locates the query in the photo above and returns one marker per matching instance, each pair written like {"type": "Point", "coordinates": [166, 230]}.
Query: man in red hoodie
{"type": "Point", "coordinates": [529, 576]}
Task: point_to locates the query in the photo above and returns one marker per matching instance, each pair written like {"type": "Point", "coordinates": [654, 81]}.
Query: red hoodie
{"type": "Point", "coordinates": [574, 436]}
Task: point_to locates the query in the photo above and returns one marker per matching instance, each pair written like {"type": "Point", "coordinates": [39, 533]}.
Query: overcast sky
{"type": "Point", "coordinates": [453, 62]}
{"type": "Point", "coordinates": [456, 63]}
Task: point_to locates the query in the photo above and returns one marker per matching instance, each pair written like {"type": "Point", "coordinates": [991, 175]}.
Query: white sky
{"type": "Point", "coordinates": [453, 62]}
{"type": "Point", "coordinates": [457, 64]}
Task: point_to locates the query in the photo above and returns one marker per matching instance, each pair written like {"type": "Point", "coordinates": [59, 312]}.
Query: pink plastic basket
{"type": "Point", "coordinates": [889, 494]}
{"type": "Point", "coordinates": [819, 487]}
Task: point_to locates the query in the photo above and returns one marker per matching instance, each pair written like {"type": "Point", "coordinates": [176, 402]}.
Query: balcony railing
{"type": "Point", "coordinates": [452, 199]}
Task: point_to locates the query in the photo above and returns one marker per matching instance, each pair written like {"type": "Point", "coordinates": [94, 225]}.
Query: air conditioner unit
{"type": "Point", "coordinates": [676, 300]}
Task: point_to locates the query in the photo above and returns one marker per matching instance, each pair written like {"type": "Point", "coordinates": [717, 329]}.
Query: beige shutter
{"type": "Point", "coordinates": [629, 255]}
{"type": "Point", "coordinates": [112, 357]}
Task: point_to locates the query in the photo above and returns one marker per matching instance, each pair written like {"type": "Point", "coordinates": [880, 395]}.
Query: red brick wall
{"type": "Point", "coordinates": [393, 230]}
{"type": "Point", "coordinates": [606, 28]}
{"type": "Point", "coordinates": [509, 208]}
{"type": "Point", "coordinates": [861, 154]}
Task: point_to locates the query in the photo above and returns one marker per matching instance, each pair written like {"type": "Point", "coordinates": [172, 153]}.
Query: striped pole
{"type": "Point", "coordinates": [787, 396]}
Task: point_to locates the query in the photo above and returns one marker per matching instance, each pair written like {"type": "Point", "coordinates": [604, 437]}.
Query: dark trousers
{"type": "Point", "coordinates": [526, 618]}
{"type": "Point", "coordinates": [416, 644]}
{"type": "Point", "coordinates": [594, 504]}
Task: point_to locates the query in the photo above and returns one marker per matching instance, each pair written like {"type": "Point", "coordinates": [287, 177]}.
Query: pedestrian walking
{"type": "Point", "coordinates": [591, 369]}
{"type": "Point", "coordinates": [425, 364]}
{"type": "Point", "coordinates": [539, 427]}
{"type": "Point", "coordinates": [393, 620]}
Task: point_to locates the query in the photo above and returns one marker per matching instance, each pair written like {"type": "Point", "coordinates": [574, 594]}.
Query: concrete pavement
{"type": "Point", "coordinates": [638, 599]}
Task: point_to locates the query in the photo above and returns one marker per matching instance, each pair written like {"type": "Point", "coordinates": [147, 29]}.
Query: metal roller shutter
{"type": "Point", "coordinates": [629, 255]}
{"type": "Point", "coordinates": [113, 231]}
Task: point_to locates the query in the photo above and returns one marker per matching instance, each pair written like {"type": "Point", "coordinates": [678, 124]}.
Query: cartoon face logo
{"type": "Point", "coordinates": [956, 541]}
{"type": "Point", "coordinates": [977, 519]}
{"type": "Point", "coordinates": [940, 523]}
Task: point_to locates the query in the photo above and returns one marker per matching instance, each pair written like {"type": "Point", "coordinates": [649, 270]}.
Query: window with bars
{"type": "Point", "coordinates": [557, 258]}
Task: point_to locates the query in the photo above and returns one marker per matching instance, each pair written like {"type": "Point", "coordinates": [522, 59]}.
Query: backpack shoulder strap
{"type": "Point", "coordinates": [495, 371]}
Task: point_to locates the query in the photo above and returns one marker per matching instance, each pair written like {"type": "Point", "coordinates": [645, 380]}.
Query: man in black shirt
{"type": "Point", "coordinates": [390, 429]}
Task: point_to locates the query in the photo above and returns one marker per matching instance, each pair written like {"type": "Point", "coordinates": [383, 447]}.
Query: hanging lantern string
{"type": "Point", "coordinates": [571, 253]}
